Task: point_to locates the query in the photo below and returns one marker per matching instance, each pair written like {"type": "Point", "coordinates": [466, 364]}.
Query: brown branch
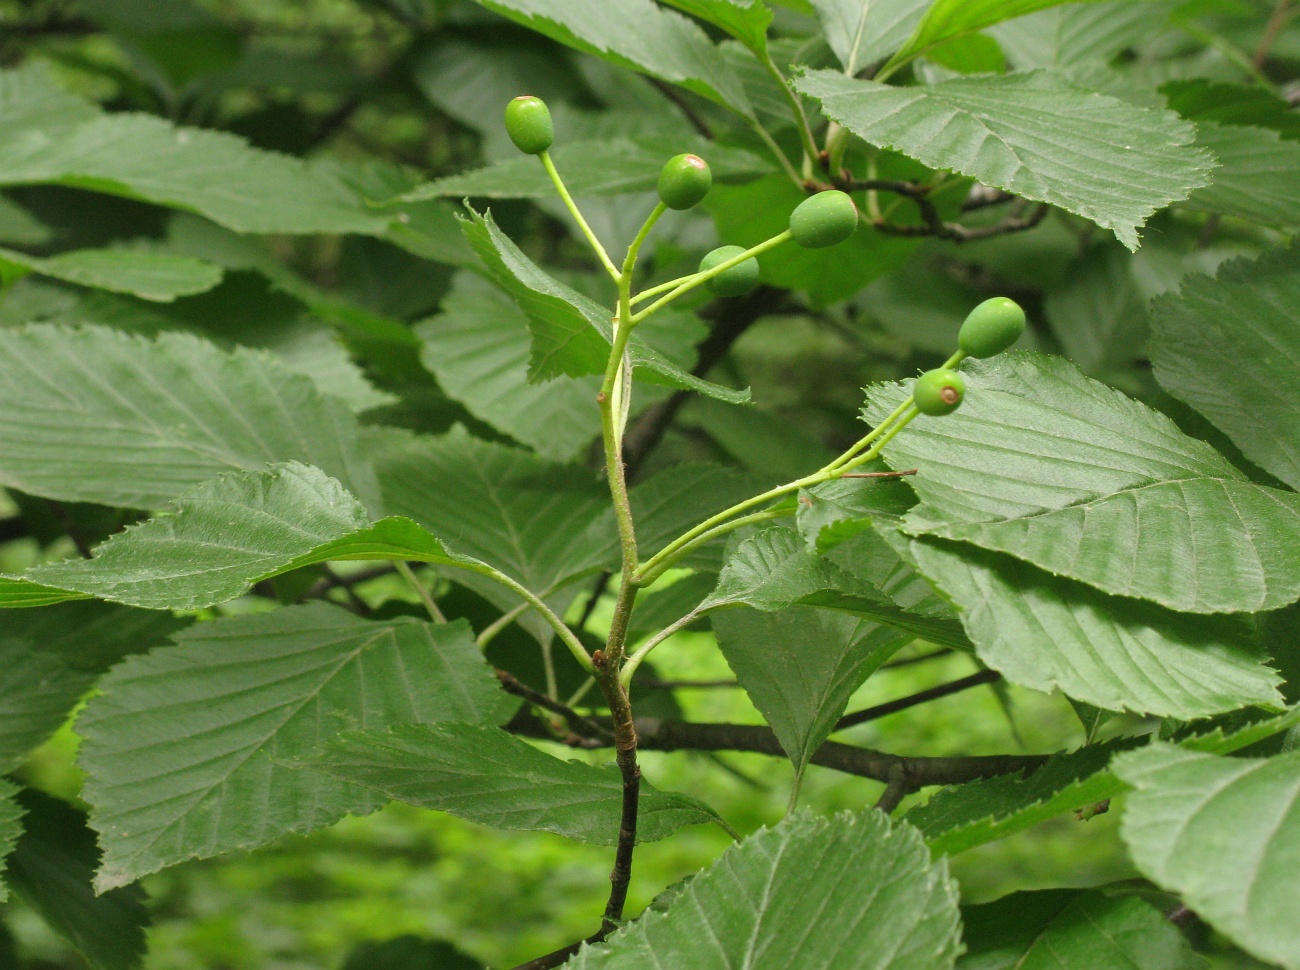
{"type": "Point", "coordinates": [893, 794]}
{"type": "Point", "coordinates": [584, 726]}
{"type": "Point", "coordinates": [684, 106]}
{"type": "Point", "coordinates": [1281, 13]}
{"type": "Point", "coordinates": [920, 697]}
{"type": "Point", "coordinates": [933, 223]}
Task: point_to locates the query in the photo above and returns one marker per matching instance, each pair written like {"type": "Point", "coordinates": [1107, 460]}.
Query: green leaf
{"type": "Point", "coordinates": [861, 32]}
{"type": "Point", "coordinates": [774, 570]}
{"type": "Point", "coordinates": [962, 817]}
{"type": "Point", "coordinates": [1079, 34]}
{"type": "Point", "coordinates": [949, 19]}
{"type": "Point", "coordinates": [571, 334]}
{"type": "Point", "coordinates": [1065, 929]}
{"type": "Point", "coordinates": [1049, 633]}
{"type": "Point", "coordinates": [801, 666]}
{"type": "Point", "coordinates": [150, 276]}
{"type": "Point", "coordinates": [51, 872]}
{"type": "Point", "coordinates": [835, 511]}
{"type": "Point", "coordinates": [1034, 135]}
{"type": "Point", "coordinates": [96, 415]}
{"type": "Point", "coordinates": [1200, 99]}
{"type": "Point", "coordinates": [485, 775]}
{"type": "Point", "coordinates": [1224, 833]}
{"type": "Point", "coordinates": [55, 138]}
{"type": "Point", "coordinates": [11, 827]}
{"type": "Point", "coordinates": [183, 747]}
{"type": "Point", "coordinates": [852, 892]}
{"type": "Point", "coordinates": [635, 34]}
{"type": "Point", "coordinates": [52, 657]}
{"type": "Point", "coordinates": [1230, 347]}
{"type": "Point", "coordinates": [615, 166]}
{"type": "Point", "coordinates": [1051, 467]}
{"type": "Point", "coordinates": [1255, 179]}
{"type": "Point", "coordinates": [746, 20]}
{"type": "Point", "coordinates": [478, 347]}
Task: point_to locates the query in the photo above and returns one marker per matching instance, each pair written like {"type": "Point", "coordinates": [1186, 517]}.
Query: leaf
{"type": "Point", "coordinates": [1200, 99]}
{"type": "Point", "coordinates": [1230, 347]}
{"type": "Point", "coordinates": [51, 872]}
{"type": "Point", "coordinates": [11, 828]}
{"type": "Point", "coordinates": [1048, 633]}
{"type": "Point", "coordinates": [150, 276]}
{"type": "Point", "coordinates": [96, 415]}
{"type": "Point", "coordinates": [1034, 135]}
{"type": "Point", "coordinates": [1224, 833]}
{"type": "Point", "coordinates": [571, 334]}
{"type": "Point", "coordinates": [483, 774]}
{"type": "Point", "coordinates": [800, 667]}
{"type": "Point", "coordinates": [962, 817]}
{"type": "Point", "coordinates": [183, 747]}
{"type": "Point", "coordinates": [52, 657]}
{"type": "Point", "coordinates": [55, 138]}
{"type": "Point", "coordinates": [635, 34]}
{"type": "Point", "coordinates": [1079, 34]}
{"type": "Point", "coordinates": [861, 32]}
{"type": "Point", "coordinates": [853, 893]}
{"type": "Point", "coordinates": [949, 19]}
{"type": "Point", "coordinates": [1065, 929]}
{"type": "Point", "coordinates": [774, 570]}
{"type": "Point", "coordinates": [835, 511]}
{"type": "Point", "coordinates": [1254, 180]}
{"type": "Point", "coordinates": [614, 166]}
{"type": "Point", "coordinates": [478, 347]}
{"type": "Point", "coordinates": [746, 20]}
{"type": "Point", "coordinates": [1084, 482]}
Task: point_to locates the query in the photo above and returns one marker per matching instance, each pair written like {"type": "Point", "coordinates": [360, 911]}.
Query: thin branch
{"type": "Point", "coordinates": [582, 725]}
{"type": "Point", "coordinates": [1281, 13]}
{"type": "Point", "coordinates": [893, 794]}
{"type": "Point", "coordinates": [933, 223]}
{"type": "Point", "coordinates": [922, 658]}
{"type": "Point", "coordinates": [684, 106]}
{"type": "Point", "coordinates": [555, 958]}
{"type": "Point", "coordinates": [430, 604]}
{"type": "Point", "coordinates": [920, 697]}
{"type": "Point", "coordinates": [650, 683]}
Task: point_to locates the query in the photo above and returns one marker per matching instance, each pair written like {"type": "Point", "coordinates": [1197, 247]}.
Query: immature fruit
{"type": "Point", "coordinates": [939, 392]}
{"type": "Point", "coordinates": [738, 280]}
{"type": "Point", "coordinates": [684, 181]}
{"type": "Point", "coordinates": [991, 328]}
{"type": "Point", "coordinates": [826, 219]}
{"type": "Point", "coordinates": [528, 123]}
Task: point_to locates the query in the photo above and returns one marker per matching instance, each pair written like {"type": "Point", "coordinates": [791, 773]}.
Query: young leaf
{"type": "Point", "coordinates": [853, 892]}
{"type": "Point", "coordinates": [478, 345]}
{"type": "Point", "coordinates": [52, 657]}
{"type": "Point", "coordinates": [11, 827]}
{"type": "Point", "coordinates": [861, 32]}
{"type": "Point", "coordinates": [51, 872]}
{"type": "Point", "coordinates": [183, 747]}
{"type": "Point", "coordinates": [1034, 135]}
{"type": "Point", "coordinates": [1224, 833]}
{"type": "Point", "coordinates": [964, 816]}
{"type": "Point", "coordinates": [949, 19]}
{"type": "Point", "coordinates": [1084, 482]}
{"type": "Point", "coordinates": [571, 334]}
{"type": "Point", "coordinates": [1230, 347]}
{"type": "Point", "coordinates": [144, 157]}
{"type": "Point", "coordinates": [1065, 929]}
{"type": "Point", "coordinates": [801, 666]}
{"type": "Point", "coordinates": [636, 34]}
{"type": "Point", "coordinates": [485, 775]}
{"type": "Point", "coordinates": [96, 415]}
{"type": "Point", "coordinates": [746, 20]}
{"type": "Point", "coordinates": [1049, 633]}
{"type": "Point", "coordinates": [150, 276]}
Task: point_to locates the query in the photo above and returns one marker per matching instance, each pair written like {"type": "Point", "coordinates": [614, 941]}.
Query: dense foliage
{"type": "Point", "coordinates": [877, 423]}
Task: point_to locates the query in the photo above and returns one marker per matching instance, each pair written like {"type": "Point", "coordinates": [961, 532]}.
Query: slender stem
{"type": "Point", "coordinates": [647, 574]}
{"type": "Point", "coordinates": [661, 288]}
{"type": "Point", "coordinates": [576, 721]}
{"type": "Point", "coordinates": [426, 597]}
{"type": "Point", "coordinates": [920, 697]}
{"type": "Point", "coordinates": [500, 623]}
{"type": "Point", "coordinates": [581, 692]}
{"type": "Point", "coordinates": [800, 117]}
{"type": "Point", "coordinates": [559, 626]}
{"type": "Point", "coordinates": [692, 282]}
{"type": "Point", "coordinates": [795, 788]}
{"type": "Point", "coordinates": [548, 669]}
{"type": "Point", "coordinates": [629, 263]}
{"type": "Point", "coordinates": [1281, 12]}
{"type": "Point", "coordinates": [577, 215]}
{"type": "Point", "coordinates": [878, 447]}
{"type": "Point", "coordinates": [895, 791]}
{"type": "Point", "coordinates": [643, 651]}
{"type": "Point", "coordinates": [875, 433]}
{"type": "Point", "coordinates": [786, 165]}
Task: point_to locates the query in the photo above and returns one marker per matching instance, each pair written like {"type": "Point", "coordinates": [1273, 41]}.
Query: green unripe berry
{"type": "Point", "coordinates": [528, 123]}
{"type": "Point", "coordinates": [826, 219]}
{"type": "Point", "coordinates": [684, 181]}
{"type": "Point", "coordinates": [939, 392]}
{"type": "Point", "coordinates": [991, 328]}
{"type": "Point", "coordinates": [738, 280]}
